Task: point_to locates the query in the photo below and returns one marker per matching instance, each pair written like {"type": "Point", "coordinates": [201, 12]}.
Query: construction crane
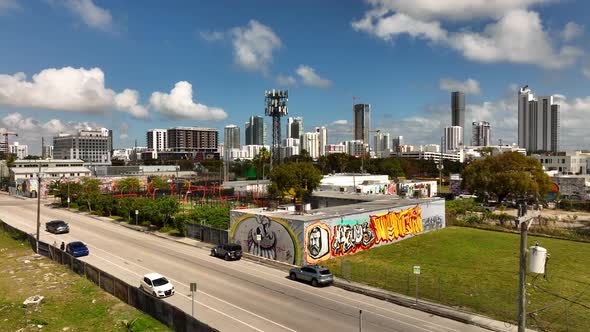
{"type": "Point", "coordinates": [4, 147]}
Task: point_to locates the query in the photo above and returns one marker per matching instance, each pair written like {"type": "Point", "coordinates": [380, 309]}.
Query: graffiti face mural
{"type": "Point", "coordinates": [262, 241]}
{"type": "Point", "coordinates": [317, 242]}
{"type": "Point", "coordinates": [268, 237]}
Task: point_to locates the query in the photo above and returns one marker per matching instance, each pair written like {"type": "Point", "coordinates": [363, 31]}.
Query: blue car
{"type": "Point", "coordinates": [77, 249]}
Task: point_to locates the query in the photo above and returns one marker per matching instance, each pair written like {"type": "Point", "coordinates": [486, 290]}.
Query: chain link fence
{"type": "Point", "coordinates": [207, 234]}
{"type": "Point", "coordinates": [550, 306]}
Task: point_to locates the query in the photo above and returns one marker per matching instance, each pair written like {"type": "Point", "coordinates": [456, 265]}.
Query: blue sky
{"type": "Point", "coordinates": [132, 65]}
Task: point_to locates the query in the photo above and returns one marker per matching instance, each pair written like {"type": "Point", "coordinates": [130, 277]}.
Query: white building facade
{"type": "Point", "coordinates": [20, 150]}
{"type": "Point", "coordinates": [453, 139]}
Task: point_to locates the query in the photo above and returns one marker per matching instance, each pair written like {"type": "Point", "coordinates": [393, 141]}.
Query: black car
{"type": "Point", "coordinates": [227, 251]}
{"type": "Point", "coordinates": [57, 227]}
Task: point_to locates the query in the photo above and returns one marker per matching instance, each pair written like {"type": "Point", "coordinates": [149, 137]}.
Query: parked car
{"type": "Point", "coordinates": [77, 249]}
{"type": "Point", "coordinates": [227, 251]}
{"type": "Point", "coordinates": [316, 274]}
{"type": "Point", "coordinates": [156, 285]}
{"type": "Point", "coordinates": [57, 227]}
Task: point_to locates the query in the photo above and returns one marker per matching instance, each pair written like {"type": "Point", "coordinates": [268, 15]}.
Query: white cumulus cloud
{"type": "Point", "coordinates": [179, 104]}
{"type": "Point", "coordinates": [470, 86]}
{"type": "Point", "coordinates": [515, 33]}
{"type": "Point", "coordinates": [67, 89]}
{"type": "Point", "coordinates": [517, 37]}
{"type": "Point", "coordinates": [456, 10]}
{"type": "Point", "coordinates": [286, 80]}
{"type": "Point", "coordinates": [571, 31]}
{"type": "Point", "coordinates": [90, 14]}
{"type": "Point", "coordinates": [6, 5]}
{"type": "Point", "coordinates": [254, 45]}
{"type": "Point", "coordinates": [30, 130]}
{"type": "Point", "coordinates": [310, 77]}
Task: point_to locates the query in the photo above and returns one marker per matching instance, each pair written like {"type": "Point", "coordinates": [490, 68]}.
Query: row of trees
{"type": "Point", "coordinates": [344, 163]}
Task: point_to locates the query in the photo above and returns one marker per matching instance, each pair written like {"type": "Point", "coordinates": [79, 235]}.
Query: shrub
{"type": "Point", "coordinates": [473, 219]}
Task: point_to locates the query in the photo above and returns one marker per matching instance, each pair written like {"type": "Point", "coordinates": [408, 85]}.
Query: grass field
{"type": "Point", "coordinates": [72, 303]}
{"type": "Point", "coordinates": [477, 270]}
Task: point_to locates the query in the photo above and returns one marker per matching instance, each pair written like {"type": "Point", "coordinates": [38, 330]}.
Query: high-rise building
{"type": "Point", "coordinates": [538, 122]}
{"type": "Point", "coordinates": [231, 137]}
{"type": "Point", "coordinates": [311, 143]}
{"type": "Point", "coordinates": [91, 146]}
{"type": "Point", "coordinates": [453, 139]}
{"type": "Point", "coordinates": [458, 109]}
{"type": "Point", "coordinates": [20, 150]}
{"type": "Point", "coordinates": [481, 134]}
{"type": "Point", "coordinates": [294, 127]}
{"type": "Point", "coordinates": [255, 131]}
{"type": "Point", "coordinates": [191, 139]}
{"type": "Point", "coordinates": [397, 142]}
{"type": "Point", "coordinates": [362, 122]}
{"type": "Point", "coordinates": [382, 145]}
{"type": "Point", "coordinates": [157, 139]}
{"type": "Point", "coordinates": [355, 147]}
{"type": "Point", "coordinates": [47, 152]}
{"type": "Point", "coordinates": [323, 137]}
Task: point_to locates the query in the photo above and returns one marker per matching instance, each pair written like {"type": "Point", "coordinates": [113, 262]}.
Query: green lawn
{"type": "Point", "coordinates": [477, 270]}
{"type": "Point", "coordinates": [71, 302]}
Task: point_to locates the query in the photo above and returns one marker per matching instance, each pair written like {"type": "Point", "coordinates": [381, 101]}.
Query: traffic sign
{"type": "Point", "coordinates": [416, 269]}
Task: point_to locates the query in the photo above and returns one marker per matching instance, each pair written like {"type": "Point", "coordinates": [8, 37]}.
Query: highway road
{"type": "Point", "coordinates": [232, 296]}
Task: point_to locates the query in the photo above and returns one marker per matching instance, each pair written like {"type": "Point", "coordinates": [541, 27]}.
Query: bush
{"type": "Point", "coordinates": [473, 219]}
{"type": "Point", "coordinates": [180, 220]}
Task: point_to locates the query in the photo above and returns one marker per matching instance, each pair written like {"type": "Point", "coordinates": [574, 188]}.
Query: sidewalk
{"type": "Point", "coordinates": [429, 307]}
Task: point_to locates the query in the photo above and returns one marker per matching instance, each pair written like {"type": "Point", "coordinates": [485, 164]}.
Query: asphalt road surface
{"type": "Point", "coordinates": [231, 296]}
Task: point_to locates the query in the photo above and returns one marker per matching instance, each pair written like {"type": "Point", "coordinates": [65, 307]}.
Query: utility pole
{"type": "Point", "coordinates": [440, 165]}
{"type": "Point", "coordinates": [525, 222]}
{"type": "Point", "coordinates": [522, 279]}
{"type": "Point", "coordinates": [39, 201]}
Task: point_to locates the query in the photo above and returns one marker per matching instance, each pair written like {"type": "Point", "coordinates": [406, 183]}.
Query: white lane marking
{"type": "Point", "coordinates": [177, 282]}
{"type": "Point", "coordinates": [308, 292]}
{"type": "Point", "coordinates": [204, 305]}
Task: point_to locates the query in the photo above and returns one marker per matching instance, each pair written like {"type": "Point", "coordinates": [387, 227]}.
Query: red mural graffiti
{"type": "Point", "coordinates": [390, 226]}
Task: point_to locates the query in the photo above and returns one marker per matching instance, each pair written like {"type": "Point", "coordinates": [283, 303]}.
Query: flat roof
{"type": "Point", "coordinates": [29, 170]}
{"type": "Point", "coordinates": [31, 161]}
{"type": "Point", "coordinates": [343, 210]}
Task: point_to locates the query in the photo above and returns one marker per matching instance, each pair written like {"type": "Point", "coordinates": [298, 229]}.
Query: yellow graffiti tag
{"type": "Point", "coordinates": [390, 226]}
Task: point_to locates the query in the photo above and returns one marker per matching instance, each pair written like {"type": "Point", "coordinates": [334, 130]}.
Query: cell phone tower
{"type": "Point", "coordinates": [276, 107]}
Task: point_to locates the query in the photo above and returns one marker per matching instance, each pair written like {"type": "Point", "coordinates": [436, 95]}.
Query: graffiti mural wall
{"type": "Point", "coordinates": [352, 233]}
{"type": "Point", "coordinates": [270, 237]}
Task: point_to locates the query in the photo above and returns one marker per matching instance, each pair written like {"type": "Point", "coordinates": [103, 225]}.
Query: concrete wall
{"type": "Point", "coordinates": [271, 237]}
{"type": "Point", "coordinates": [327, 238]}
{"type": "Point", "coordinates": [296, 242]}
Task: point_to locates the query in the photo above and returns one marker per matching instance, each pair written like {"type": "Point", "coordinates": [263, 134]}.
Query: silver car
{"type": "Point", "coordinates": [316, 274]}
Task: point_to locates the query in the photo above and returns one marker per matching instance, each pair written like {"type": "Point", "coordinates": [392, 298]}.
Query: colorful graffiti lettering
{"type": "Point", "coordinates": [390, 226]}
{"type": "Point", "coordinates": [432, 223]}
{"type": "Point", "coordinates": [347, 239]}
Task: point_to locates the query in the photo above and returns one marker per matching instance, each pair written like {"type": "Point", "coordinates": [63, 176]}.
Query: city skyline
{"type": "Point", "coordinates": [209, 72]}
